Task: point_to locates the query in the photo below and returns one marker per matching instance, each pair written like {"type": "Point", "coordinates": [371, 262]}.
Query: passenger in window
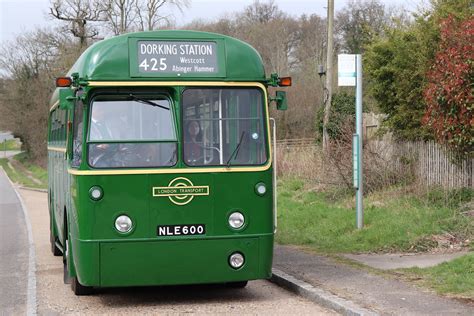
{"type": "Point", "coordinates": [193, 151]}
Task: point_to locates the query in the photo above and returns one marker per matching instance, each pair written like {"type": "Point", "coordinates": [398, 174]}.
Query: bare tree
{"type": "Point", "coordinates": [31, 54]}
{"type": "Point", "coordinates": [122, 15]}
{"type": "Point", "coordinates": [358, 23]}
{"type": "Point", "coordinates": [271, 32]}
{"type": "Point", "coordinates": [310, 49]}
{"type": "Point", "coordinates": [149, 12]}
{"type": "Point", "coordinates": [30, 63]}
{"type": "Point", "coordinates": [262, 12]}
{"type": "Point", "coordinates": [77, 13]}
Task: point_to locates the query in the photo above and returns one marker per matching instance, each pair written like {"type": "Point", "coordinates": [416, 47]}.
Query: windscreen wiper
{"type": "Point", "coordinates": [236, 150]}
{"type": "Point", "coordinates": [135, 98]}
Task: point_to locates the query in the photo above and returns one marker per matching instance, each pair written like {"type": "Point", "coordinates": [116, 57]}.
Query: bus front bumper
{"type": "Point", "coordinates": [170, 262]}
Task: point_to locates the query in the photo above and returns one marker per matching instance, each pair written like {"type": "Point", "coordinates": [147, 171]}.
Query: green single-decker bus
{"type": "Point", "coordinates": [160, 161]}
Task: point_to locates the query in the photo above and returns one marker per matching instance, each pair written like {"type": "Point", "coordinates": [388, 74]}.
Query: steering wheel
{"type": "Point", "coordinates": [105, 154]}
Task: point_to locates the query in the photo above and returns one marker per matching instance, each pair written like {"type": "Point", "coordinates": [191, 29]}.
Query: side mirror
{"type": "Point", "coordinates": [66, 98]}
{"type": "Point", "coordinates": [281, 100]}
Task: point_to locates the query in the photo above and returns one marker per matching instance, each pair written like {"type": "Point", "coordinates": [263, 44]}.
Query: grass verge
{"type": "Point", "coordinates": [454, 278]}
{"type": "Point", "coordinates": [23, 172]}
{"type": "Point", "coordinates": [394, 221]}
{"type": "Point", "coordinates": [11, 144]}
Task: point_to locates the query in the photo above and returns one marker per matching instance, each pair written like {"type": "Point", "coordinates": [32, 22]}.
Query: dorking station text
{"type": "Point", "coordinates": [176, 49]}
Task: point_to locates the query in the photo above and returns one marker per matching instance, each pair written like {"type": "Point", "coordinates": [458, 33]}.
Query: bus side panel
{"type": "Point", "coordinates": [51, 195]}
{"type": "Point", "coordinates": [56, 179]}
{"type": "Point", "coordinates": [266, 256]}
{"type": "Point", "coordinates": [85, 253]}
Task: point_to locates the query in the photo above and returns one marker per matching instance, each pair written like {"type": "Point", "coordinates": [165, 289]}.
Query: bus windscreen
{"type": "Point", "coordinates": [223, 127]}
{"type": "Point", "coordinates": [131, 133]}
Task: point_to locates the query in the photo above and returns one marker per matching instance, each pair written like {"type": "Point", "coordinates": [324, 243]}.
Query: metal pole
{"type": "Point", "coordinates": [275, 184]}
{"type": "Point", "coordinates": [221, 136]}
{"type": "Point", "coordinates": [327, 107]}
{"type": "Point", "coordinates": [359, 131]}
{"type": "Point", "coordinates": [5, 148]}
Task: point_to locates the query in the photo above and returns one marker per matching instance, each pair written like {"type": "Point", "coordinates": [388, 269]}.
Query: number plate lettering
{"type": "Point", "coordinates": [181, 230]}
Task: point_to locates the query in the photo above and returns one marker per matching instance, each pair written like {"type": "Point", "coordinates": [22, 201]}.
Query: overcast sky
{"type": "Point", "coordinates": [17, 16]}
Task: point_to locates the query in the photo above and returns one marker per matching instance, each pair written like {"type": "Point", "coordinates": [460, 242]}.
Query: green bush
{"type": "Point", "coordinates": [448, 198]}
{"type": "Point", "coordinates": [342, 113]}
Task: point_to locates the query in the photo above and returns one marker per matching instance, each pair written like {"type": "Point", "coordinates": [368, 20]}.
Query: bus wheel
{"type": "Point", "coordinates": [237, 285]}
{"type": "Point", "coordinates": [66, 278]}
{"type": "Point", "coordinates": [54, 249]}
{"type": "Point", "coordinates": [52, 239]}
{"type": "Point", "coordinates": [76, 287]}
{"type": "Point", "coordinates": [80, 289]}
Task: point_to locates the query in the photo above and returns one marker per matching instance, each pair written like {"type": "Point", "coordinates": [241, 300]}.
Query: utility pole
{"type": "Point", "coordinates": [327, 106]}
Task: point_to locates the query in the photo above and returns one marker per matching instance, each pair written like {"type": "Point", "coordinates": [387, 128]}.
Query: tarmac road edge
{"type": "Point", "coordinates": [317, 295]}
{"type": "Point", "coordinates": [31, 305]}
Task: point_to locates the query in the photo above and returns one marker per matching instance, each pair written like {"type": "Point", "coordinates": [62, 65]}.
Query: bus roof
{"type": "Point", "coordinates": [207, 56]}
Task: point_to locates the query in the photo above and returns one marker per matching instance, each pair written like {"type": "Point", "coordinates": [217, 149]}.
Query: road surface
{"type": "Point", "coordinates": [55, 298]}
{"type": "Point", "coordinates": [14, 251]}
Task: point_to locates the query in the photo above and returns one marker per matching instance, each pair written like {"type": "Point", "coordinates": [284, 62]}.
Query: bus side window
{"type": "Point", "coordinates": [78, 129]}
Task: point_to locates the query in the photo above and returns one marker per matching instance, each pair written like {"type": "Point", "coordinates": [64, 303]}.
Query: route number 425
{"type": "Point", "coordinates": [154, 65]}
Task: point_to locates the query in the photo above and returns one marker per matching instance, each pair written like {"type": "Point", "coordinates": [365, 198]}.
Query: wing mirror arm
{"type": "Point", "coordinates": [66, 98]}
{"type": "Point", "coordinates": [281, 100]}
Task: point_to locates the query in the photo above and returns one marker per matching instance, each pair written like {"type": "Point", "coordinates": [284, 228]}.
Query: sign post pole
{"type": "Point", "coordinates": [350, 74]}
{"type": "Point", "coordinates": [359, 131]}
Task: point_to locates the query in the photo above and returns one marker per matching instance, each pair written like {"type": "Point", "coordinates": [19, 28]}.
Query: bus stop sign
{"type": "Point", "coordinates": [346, 72]}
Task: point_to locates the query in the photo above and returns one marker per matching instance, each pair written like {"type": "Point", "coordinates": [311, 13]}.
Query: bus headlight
{"type": "Point", "coordinates": [236, 220]}
{"type": "Point", "coordinates": [260, 188]}
{"type": "Point", "coordinates": [96, 193]}
{"type": "Point", "coordinates": [123, 224]}
{"type": "Point", "coordinates": [236, 260]}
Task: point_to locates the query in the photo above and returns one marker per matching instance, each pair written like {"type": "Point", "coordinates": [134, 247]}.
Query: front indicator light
{"type": "Point", "coordinates": [123, 224]}
{"type": "Point", "coordinates": [236, 220]}
{"type": "Point", "coordinates": [96, 193]}
{"type": "Point", "coordinates": [236, 260]}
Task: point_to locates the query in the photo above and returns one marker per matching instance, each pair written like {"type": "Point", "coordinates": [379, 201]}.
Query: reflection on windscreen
{"type": "Point", "coordinates": [129, 133]}
{"type": "Point", "coordinates": [223, 127]}
{"type": "Point", "coordinates": [131, 120]}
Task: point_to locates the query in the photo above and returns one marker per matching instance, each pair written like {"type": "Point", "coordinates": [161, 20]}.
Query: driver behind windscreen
{"type": "Point", "coordinates": [102, 129]}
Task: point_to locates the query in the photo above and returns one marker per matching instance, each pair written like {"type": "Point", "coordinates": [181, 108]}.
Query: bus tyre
{"type": "Point", "coordinates": [237, 285]}
{"type": "Point", "coordinates": [54, 249]}
{"type": "Point", "coordinates": [66, 278]}
{"type": "Point", "coordinates": [52, 239]}
{"type": "Point", "coordinates": [80, 289]}
{"type": "Point", "coordinates": [76, 287]}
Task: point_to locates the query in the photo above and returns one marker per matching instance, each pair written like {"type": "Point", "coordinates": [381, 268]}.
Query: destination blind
{"type": "Point", "coordinates": [177, 57]}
